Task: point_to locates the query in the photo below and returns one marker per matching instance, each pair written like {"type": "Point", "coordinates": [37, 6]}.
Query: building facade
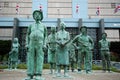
{"type": "Point", "coordinates": [60, 8]}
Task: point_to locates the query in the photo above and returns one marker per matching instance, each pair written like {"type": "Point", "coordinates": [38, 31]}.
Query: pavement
{"type": "Point", "coordinates": [20, 74]}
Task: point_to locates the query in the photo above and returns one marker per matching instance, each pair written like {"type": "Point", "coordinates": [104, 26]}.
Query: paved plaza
{"type": "Point", "coordinates": [95, 75]}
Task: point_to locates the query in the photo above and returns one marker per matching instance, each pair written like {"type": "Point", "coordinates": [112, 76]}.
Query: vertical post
{"type": "Point", "coordinates": [15, 29]}
{"type": "Point", "coordinates": [100, 31]}
{"type": "Point", "coordinates": [79, 25]}
{"type": "Point", "coordinates": [58, 24]}
{"type": "Point", "coordinates": [101, 28]}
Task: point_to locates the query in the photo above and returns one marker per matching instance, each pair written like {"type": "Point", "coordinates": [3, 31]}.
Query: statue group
{"type": "Point", "coordinates": [61, 49]}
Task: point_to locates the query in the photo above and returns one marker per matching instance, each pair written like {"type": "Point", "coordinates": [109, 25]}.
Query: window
{"type": "Point", "coordinates": [113, 5]}
{"type": "Point", "coordinates": [113, 34]}
{"type": "Point", "coordinates": [59, 8]}
{"type": "Point", "coordinates": [6, 4]}
{"type": "Point", "coordinates": [6, 33]}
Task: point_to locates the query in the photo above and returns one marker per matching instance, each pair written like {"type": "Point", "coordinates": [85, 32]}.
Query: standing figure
{"type": "Point", "coordinates": [13, 54]}
{"type": "Point", "coordinates": [72, 56]}
{"type": "Point", "coordinates": [52, 49]}
{"type": "Point", "coordinates": [104, 45]}
{"type": "Point", "coordinates": [85, 43]}
{"type": "Point", "coordinates": [35, 44]}
{"type": "Point", "coordinates": [62, 55]}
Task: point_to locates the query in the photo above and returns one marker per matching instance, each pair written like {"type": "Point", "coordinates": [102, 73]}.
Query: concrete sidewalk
{"type": "Point", "coordinates": [96, 75]}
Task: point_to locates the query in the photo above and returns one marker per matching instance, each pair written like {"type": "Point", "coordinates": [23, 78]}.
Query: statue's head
{"type": "Point", "coordinates": [83, 29]}
{"type": "Point", "coordinates": [15, 40]}
{"type": "Point", "coordinates": [53, 29]}
{"type": "Point", "coordinates": [62, 25]}
{"type": "Point", "coordinates": [104, 35]}
{"type": "Point", "coordinates": [38, 15]}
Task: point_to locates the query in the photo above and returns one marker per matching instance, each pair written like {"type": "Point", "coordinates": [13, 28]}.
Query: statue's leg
{"type": "Point", "coordinates": [54, 67]}
{"type": "Point", "coordinates": [8, 64]}
{"type": "Point", "coordinates": [90, 58]}
{"type": "Point", "coordinates": [39, 62]}
{"type": "Point", "coordinates": [68, 67]}
{"type": "Point", "coordinates": [11, 65]}
{"type": "Point", "coordinates": [30, 62]}
{"type": "Point", "coordinates": [16, 62]}
{"type": "Point", "coordinates": [108, 61]}
{"type": "Point", "coordinates": [103, 61]}
{"type": "Point", "coordinates": [72, 66]}
{"type": "Point", "coordinates": [87, 61]}
{"type": "Point", "coordinates": [65, 71]}
{"type": "Point", "coordinates": [59, 71]}
{"type": "Point", "coordinates": [51, 67]}
{"type": "Point", "coordinates": [79, 61]}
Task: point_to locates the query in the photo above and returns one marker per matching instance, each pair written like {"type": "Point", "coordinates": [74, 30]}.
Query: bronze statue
{"type": "Point", "coordinates": [35, 43]}
{"type": "Point", "coordinates": [62, 55]}
{"type": "Point", "coordinates": [104, 45]}
{"type": "Point", "coordinates": [52, 49]}
{"type": "Point", "coordinates": [13, 54]}
{"type": "Point", "coordinates": [72, 56]}
{"type": "Point", "coordinates": [85, 44]}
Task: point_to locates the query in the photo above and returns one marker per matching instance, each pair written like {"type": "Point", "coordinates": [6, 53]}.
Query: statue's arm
{"type": "Point", "coordinates": [45, 37]}
{"type": "Point", "coordinates": [28, 35]}
{"type": "Point", "coordinates": [57, 39]}
{"type": "Point", "coordinates": [75, 46]}
{"type": "Point", "coordinates": [68, 39]}
{"type": "Point", "coordinates": [92, 42]}
{"type": "Point", "coordinates": [75, 39]}
{"type": "Point", "coordinates": [48, 42]}
{"type": "Point", "coordinates": [99, 44]}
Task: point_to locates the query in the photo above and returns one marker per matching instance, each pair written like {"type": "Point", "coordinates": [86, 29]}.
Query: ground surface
{"type": "Point", "coordinates": [95, 75]}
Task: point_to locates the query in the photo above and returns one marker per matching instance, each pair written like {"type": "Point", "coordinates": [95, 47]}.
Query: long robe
{"type": "Point", "coordinates": [62, 55]}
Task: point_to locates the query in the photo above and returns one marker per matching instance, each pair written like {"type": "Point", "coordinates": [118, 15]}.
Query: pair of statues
{"type": "Point", "coordinates": [58, 50]}
{"type": "Point", "coordinates": [36, 42]}
{"type": "Point", "coordinates": [85, 48]}
{"type": "Point", "coordinates": [58, 55]}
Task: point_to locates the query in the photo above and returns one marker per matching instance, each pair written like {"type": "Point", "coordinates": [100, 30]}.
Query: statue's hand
{"type": "Point", "coordinates": [59, 43]}
{"type": "Point", "coordinates": [53, 50]}
{"type": "Point", "coordinates": [62, 44]}
{"type": "Point", "coordinates": [77, 48]}
{"type": "Point", "coordinates": [27, 47]}
{"type": "Point", "coordinates": [44, 48]}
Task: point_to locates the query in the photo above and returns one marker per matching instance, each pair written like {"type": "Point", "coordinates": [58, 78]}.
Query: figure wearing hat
{"type": "Point", "coordinates": [104, 45]}
{"type": "Point", "coordinates": [35, 43]}
{"type": "Point", "coordinates": [85, 45]}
